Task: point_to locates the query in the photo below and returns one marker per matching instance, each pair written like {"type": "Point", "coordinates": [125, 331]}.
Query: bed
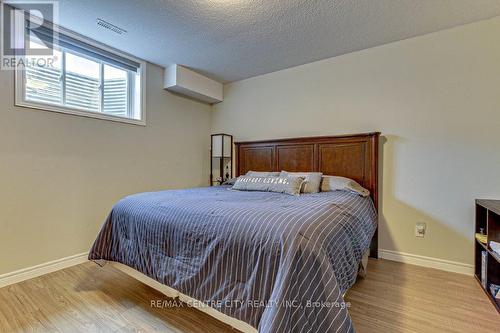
{"type": "Point", "coordinates": [276, 262]}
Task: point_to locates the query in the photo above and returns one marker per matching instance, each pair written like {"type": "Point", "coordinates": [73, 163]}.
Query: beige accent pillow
{"type": "Point", "coordinates": [336, 183]}
{"type": "Point", "coordinates": [312, 180]}
{"type": "Point", "coordinates": [262, 173]}
{"type": "Point", "coordinates": [287, 185]}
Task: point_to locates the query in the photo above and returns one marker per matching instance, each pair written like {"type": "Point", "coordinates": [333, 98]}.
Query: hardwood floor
{"type": "Point", "coordinates": [396, 297]}
{"type": "Point", "coordinates": [393, 298]}
{"type": "Point", "coordinates": [87, 298]}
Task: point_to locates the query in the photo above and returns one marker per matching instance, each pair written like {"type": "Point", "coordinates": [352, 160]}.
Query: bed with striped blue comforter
{"type": "Point", "coordinates": [281, 263]}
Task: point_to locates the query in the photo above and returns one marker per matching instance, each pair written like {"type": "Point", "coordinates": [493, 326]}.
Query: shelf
{"type": "Point", "coordinates": [491, 205]}
{"type": "Point", "coordinates": [490, 251]}
{"type": "Point", "coordinates": [493, 300]}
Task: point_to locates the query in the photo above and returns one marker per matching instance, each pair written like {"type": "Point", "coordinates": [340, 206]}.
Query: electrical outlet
{"type": "Point", "coordinates": [420, 229]}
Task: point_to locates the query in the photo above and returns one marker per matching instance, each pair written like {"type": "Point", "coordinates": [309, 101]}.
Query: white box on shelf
{"type": "Point", "coordinates": [484, 268]}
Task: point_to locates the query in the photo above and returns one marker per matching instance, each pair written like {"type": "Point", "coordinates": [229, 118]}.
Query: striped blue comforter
{"type": "Point", "coordinates": [280, 263]}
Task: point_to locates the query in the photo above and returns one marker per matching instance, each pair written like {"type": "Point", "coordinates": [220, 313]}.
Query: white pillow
{"type": "Point", "coordinates": [312, 180]}
{"type": "Point", "coordinates": [336, 183]}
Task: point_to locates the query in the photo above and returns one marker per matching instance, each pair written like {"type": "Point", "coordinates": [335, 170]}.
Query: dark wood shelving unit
{"type": "Point", "coordinates": [488, 219]}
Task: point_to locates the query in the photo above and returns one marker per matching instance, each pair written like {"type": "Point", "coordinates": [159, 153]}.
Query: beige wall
{"type": "Point", "coordinates": [61, 174]}
{"type": "Point", "coordinates": [435, 98]}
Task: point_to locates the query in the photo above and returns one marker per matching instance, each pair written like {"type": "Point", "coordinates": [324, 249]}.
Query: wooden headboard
{"type": "Point", "coordinates": [354, 156]}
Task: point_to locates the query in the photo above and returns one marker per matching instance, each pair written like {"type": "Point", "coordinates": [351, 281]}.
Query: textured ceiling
{"type": "Point", "coordinates": [231, 40]}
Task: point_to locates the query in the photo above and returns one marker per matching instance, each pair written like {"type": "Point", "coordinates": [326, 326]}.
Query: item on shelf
{"type": "Point", "coordinates": [481, 238]}
{"type": "Point", "coordinates": [495, 290]}
{"type": "Point", "coordinates": [484, 268]}
{"type": "Point", "coordinates": [495, 246]}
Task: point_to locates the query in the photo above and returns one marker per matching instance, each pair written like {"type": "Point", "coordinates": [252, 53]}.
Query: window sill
{"type": "Point", "coordinates": [76, 112]}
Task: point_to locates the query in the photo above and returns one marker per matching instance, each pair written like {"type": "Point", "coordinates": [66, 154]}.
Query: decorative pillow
{"type": "Point", "coordinates": [336, 183]}
{"type": "Point", "coordinates": [312, 180]}
{"type": "Point", "coordinates": [262, 174]}
{"type": "Point", "coordinates": [288, 185]}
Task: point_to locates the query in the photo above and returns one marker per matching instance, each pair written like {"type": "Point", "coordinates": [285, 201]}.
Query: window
{"type": "Point", "coordinates": [83, 80]}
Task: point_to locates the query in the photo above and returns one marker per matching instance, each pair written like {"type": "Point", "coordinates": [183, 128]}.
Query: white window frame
{"type": "Point", "coordinates": [20, 87]}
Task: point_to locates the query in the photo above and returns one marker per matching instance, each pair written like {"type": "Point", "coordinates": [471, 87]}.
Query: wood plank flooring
{"type": "Point", "coordinates": [397, 297]}
{"type": "Point", "coordinates": [393, 298]}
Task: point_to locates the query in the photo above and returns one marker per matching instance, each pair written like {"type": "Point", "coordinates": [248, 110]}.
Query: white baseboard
{"type": "Point", "coordinates": [408, 258]}
{"type": "Point", "coordinates": [38, 270]}
{"type": "Point", "coordinates": [445, 265]}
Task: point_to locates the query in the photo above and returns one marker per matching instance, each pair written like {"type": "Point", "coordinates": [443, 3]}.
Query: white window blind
{"type": "Point", "coordinates": [44, 85]}
{"type": "Point", "coordinates": [82, 78]}
{"type": "Point", "coordinates": [115, 91]}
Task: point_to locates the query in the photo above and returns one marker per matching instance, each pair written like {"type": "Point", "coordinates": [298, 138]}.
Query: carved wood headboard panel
{"type": "Point", "coordinates": [354, 156]}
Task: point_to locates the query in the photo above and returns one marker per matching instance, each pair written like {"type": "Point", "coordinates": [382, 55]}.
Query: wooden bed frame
{"type": "Point", "coordinates": [354, 156]}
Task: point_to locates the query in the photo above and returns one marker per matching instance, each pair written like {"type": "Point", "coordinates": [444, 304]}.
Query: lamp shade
{"type": "Point", "coordinates": [221, 145]}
